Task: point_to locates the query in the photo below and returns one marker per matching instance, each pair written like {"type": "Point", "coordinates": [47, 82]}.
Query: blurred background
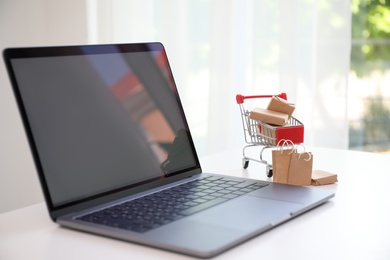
{"type": "Point", "coordinates": [368, 96]}
{"type": "Point", "coordinates": [331, 57]}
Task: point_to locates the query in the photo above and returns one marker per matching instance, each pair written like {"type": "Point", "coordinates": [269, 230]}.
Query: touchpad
{"type": "Point", "coordinates": [248, 213]}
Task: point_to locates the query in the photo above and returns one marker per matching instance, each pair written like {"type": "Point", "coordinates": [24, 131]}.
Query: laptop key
{"type": "Point", "coordinates": [203, 206]}
{"type": "Point", "coordinates": [244, 184]}
{"type": "Point", "coordinates": [230, 196]}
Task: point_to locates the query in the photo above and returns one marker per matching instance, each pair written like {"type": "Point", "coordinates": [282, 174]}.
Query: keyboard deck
{"type": "Point", "coordinates": [154, 210]}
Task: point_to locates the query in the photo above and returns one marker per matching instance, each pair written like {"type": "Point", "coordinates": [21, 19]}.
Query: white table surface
{"type": "Point", "coordinates": [353, 225]}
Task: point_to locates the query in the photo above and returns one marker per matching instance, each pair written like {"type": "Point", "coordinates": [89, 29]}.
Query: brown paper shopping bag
{"type": "Point", "coordinates": [281, 164]}
{"type": "Point", "coordinates": [300, 168]}
{"type": "Point", "coordinates": [281, 161]}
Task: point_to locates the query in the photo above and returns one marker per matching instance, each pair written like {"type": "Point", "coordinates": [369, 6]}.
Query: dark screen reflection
{"type": "Point", "coordinates": [103, 121]}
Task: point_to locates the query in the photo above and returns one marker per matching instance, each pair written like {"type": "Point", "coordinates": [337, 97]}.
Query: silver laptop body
{"type": "Point", "coordinates": [107, 132]}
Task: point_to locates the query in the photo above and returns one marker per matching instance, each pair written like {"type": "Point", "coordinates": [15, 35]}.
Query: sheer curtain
{"type": "Point", "coordinates": [219, 48]}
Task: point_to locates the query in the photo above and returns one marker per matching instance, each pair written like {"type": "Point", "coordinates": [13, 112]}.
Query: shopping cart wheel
{"type": "Point", "coordinates": [269, 171]}
{"type": "Point", "coordinates": [245, 163]}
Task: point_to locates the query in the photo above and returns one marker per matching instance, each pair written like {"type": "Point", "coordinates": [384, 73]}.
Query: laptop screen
{"type": "Point", "coordinates": [100, 118]}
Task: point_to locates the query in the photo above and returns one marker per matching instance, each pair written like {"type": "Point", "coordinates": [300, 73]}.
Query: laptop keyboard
{"type": "Point", "coordinates": [160, 208]}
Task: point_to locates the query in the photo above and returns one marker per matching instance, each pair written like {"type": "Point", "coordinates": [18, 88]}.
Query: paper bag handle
{"type": "Point", "coordinates": [295, 150]}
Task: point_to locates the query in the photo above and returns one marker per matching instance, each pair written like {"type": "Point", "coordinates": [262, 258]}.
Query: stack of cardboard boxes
{"type": "Point", "coordinates": [277, 113]}
{"type": "Point", "coordinates": [277, 123]}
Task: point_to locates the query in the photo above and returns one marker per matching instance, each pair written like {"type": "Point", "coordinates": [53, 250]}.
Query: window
{"type": "Point", "coordinates": [369, 94]}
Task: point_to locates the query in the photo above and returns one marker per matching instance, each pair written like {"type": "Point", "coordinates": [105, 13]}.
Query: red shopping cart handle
{"type": "Point", "coordinates": [240, 98]}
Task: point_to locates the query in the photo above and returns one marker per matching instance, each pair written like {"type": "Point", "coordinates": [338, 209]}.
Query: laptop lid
{"type": "Point", "coordinates": [103, 121]}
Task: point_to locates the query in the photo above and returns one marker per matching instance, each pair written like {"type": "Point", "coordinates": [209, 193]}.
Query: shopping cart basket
{"type": "Point", "coordinates": [258, 133]}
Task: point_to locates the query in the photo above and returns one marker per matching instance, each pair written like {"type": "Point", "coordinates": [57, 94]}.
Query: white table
{"type": "Point", "coordinates": [353, 225]}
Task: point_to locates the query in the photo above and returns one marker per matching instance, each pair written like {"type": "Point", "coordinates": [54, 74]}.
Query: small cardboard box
{"type": "Point", "coordinates": [269, 116]}
{"type": "Point", "coordinates": [280, 105]}
{"type": "Point", "coordinates": [319, 177]}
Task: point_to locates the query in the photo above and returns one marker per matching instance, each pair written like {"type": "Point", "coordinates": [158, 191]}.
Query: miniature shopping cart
{"type": "Point", "coordinates": [258, 133]}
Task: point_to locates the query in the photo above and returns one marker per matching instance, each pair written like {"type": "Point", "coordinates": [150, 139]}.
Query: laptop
{"type": "Point", "coordinates": [115, 155]}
